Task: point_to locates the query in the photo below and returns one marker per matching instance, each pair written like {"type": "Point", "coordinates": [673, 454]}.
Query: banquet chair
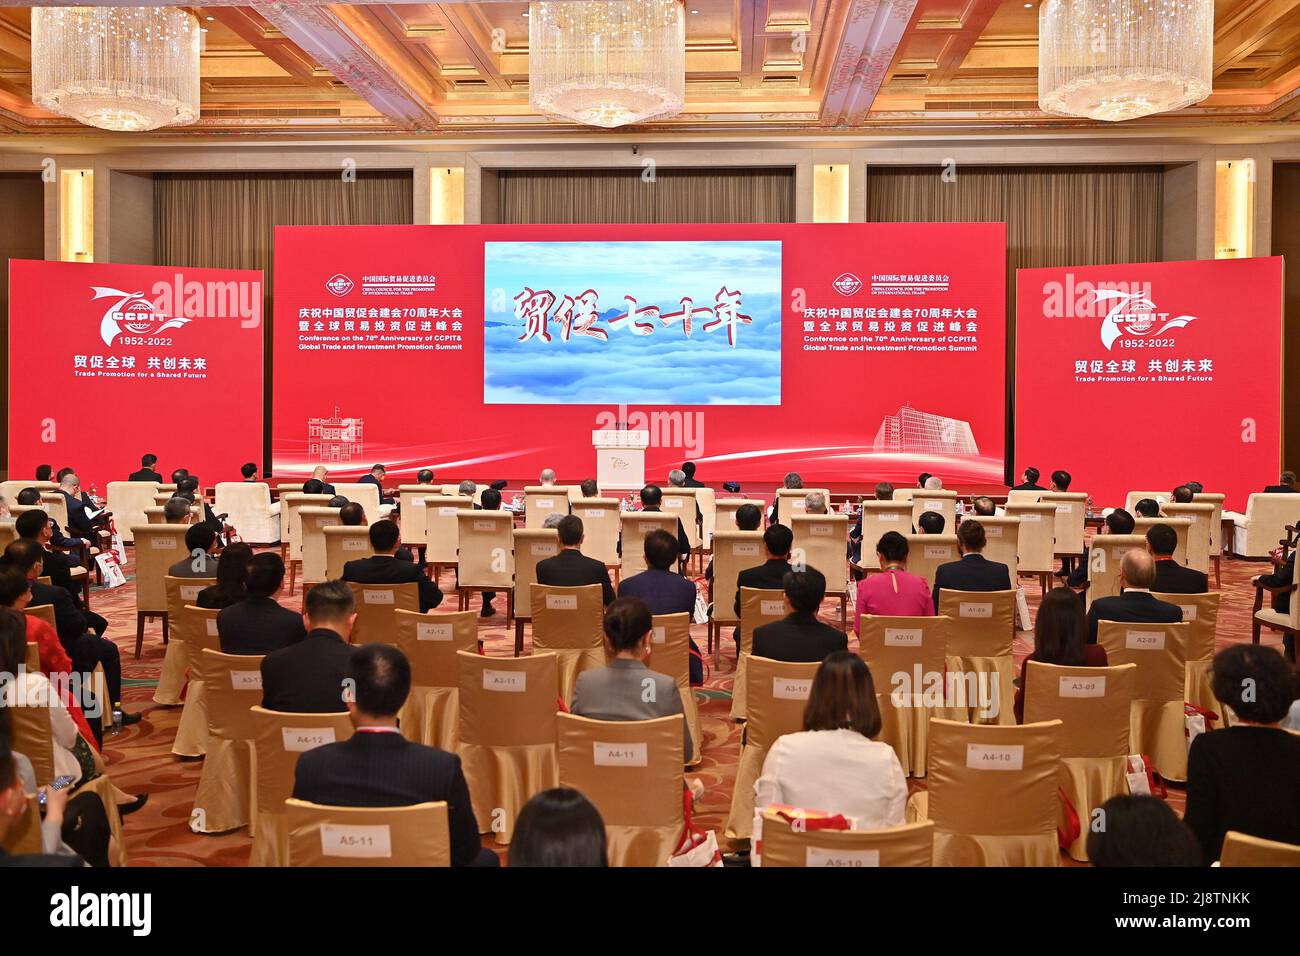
{"type": "Point", "coordinates": [44, 611]}
{"type": "Point", "coordinates": [820, 541]}
{"type": "Point", "coordinates": [411, 500]}
{"type": "Point", "coordinates": [506, 722]}
{"type": "Point", "coordinates": [233, 684]}
{"type": "Point", "coordinates": [981, 629]}
{"type": "Point", "coordinates": [376, 606]}
{"type": "Point", "coordinates": [364, 494]}
{"type": "Point", "coordinates": [181, 592]}
{"type": "Point", "coordinates": [600, 529]}
{"type": "Point", "coordinates": [442, 531]}
{"type": "Point", "coordinates": [57, 505]}
{"type": "Point", "coordinates": [944, 502]}
{"type": "Point", "coordinates": [541, 501]}
{"type": "Point", "coordinates": [1105, 554]}
{"type": "Point", "coordinates": [670, 653]}
{"type": "Point", "coordinates": [1216, 529]}
{"type": "Point", "coordinates": [1020, 496]}
{"type": "Point", "coordinates": [1161, 498]}
{"type": "Point", "coordinates": [24, 837]}
{"type": "Point", "coordinates": [291, 528]}
{"type": "Point", "coordinates": [1093, 705]}
{"type": "Point", "coordinates": [992, 794]}
{"type": "Point", "coordinates": [126, 500]}
{"type": "Point", "coordinates": [1199, 536]}
{"type": "Point", "coordinates": [915, 647]}
{"type": "Point", "coordinates": [784, 845]}
{"type": "Point", "coordinates": [633, 528]}
{"type": "Point", "coordinates": [1242, 849]}
{"type": "Point", "coordinates": [758, 606]}
{"type": "Point", "coordinates": [277, 740]}
{"type": "Point", "coordinates": [1201, 614]}
{"type": "Point", "coordinates": [431, 642]}
{"type": "Point", "coordinates": [157, 547]}
{"type": "Point", "coordinates": [1182, 528]}
{"type": "Point", "coordinates": [8, 534]}
{"type": "Point", "coordinates": [685, 505]}
{"type": "Point", "coordinates": [793, 501]}
{"type": "Point", "coordinates": [453, 491]}
{"type": "Point", "coordinates": [1035, 541]}
{"type": "Point", "coordinates": [631, 770]}
{"type": "Point", "coordinates": [32, 657]}
{"type": "Point", "coordinates": [1071, 517]}
{"type": "Point", "coordinates": [1288, 621]}
{"type": "Point", "coordinates": [312, 522]}
{"type": "Point", "coordinates": [707, 500]}
{"type": "Point", "coordinates": [569, 622]}
{"type": "Point", "coordinates": [724, 513]}
{"type": "Point", "coordinates": [157, 514]}
{"type": "Point", "coordinates": [344, 543]}
{"type": "Point", "coordinates": [925, 552]}
{"type": "Point", "coordinates": [733, 552]}
{"type": "Point", "coordinates": [777, 696]}
{"type": "Point", "coordinates": [531, 547]}
{"type": "Point", "coordinates": [1156, 723]}
{"type": "Point", "coordinates": [1002, 533]}
{"type": "Point", "coordinates": [879, 517]}
{"type": "Point", "coordinates": [10, 488]}
{"type": "Point", "coordinates": [1258, 531]}
{"type": "Point", "coordinates": [486, 557]}
{"type": "Point", "coordinates": [320, 835]}
{"type": "Point", "coordinates": [249, 509]}
{"type": "Point", "coordinates": [192, 730]}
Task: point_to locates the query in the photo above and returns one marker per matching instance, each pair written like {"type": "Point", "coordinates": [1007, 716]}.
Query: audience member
{"type": "Point", "coordinates": [1029, 481]}
{"type": "Point", "coordinates": [43, 472]}
{"type": "Point", "coordinates": [652, 501]}
{"type": "Point", "coordinates": [321, 475]}
{"type": "Point", "coordinates": [688, 468]}
{"type": "Point", "coordinates": [178, 510]}
{"type": "Point", "coordinates": [1246, 777]}
{"type": "Point", "coordinates": [1182, 495]}
{"type": "Point", "coordinates": [589, 488]}
{"type": "Point", "coordinates": [232, 578]}
{"type": "Point", "coordinates": [352, 515]}
{"type": "Point", "coordinates": [547, 477]}
{"type": "Point", "coordinates": [747, 518]}
{"type": "Point", "coordinates": [814, 503]}
{"type": "Point", "coordinates": [146, 472]}
{"type": "Point", "coordinates": [489, 500]}
{"type": "Point", "coordinates": [893, 592]}
{"type": "Point", "coordinates": [377, 767]}
{"type": "Point", "coordinates": [1118, 521]}
{"type": "Point", "coordinates": [770, 575]}
{"type": "Point", "coordinates": [307, 677]}
{"type": "Point", "coordinates": [38, 526]}
{"type": "Point", "coordinates": [201, 563]}
{"type": "Point", "coordinates": [1060, 638]}
{"type": "Point", "coordinates": [13, 807]}
{"type": "Point", "coordinates": [1135, 603]}
{"type": "Point", "coordinates": [662, 590]}
{"type": "Point", "coordinates": [376, 478]}
{"type": "Point", "coordinates": [1147, 508]}
{"type": "Point", "coordinates": [258, 624]}
{"type": "Point", "coordinates": [934, 483]}
{"type": "Point", "coordinates": [834, 765]}
{"type": "Point", "coordinates": [1140, 830]}
{"type": "Point", "coordinates": [984, 507]}
{"type": "Point", "coordinates": [973, 572]}
{"type": "Point", "coordinates": [676, 478]}
{"type": "Point", "coordinates": [1061, 481]}
{"type": "Point", "coordinates": [571, 568]}
{"type": "Point", "coordinates": [884, 492]}
{"type": "Point", "coordinates": [1285, 485]}
{"type": "Point", "coordinates": [792, 481]}
{"type": "Point", "coordinates": [249, 471]}
{"type": "Point", "coordinates": [425, 476]}
{"type": "Point", "coordinates": [1172, 577]}
{"type": "Point", "coordinates": [76, 547]}
{"type": "Point", "coordinates": [931, 522]}
{"type": "Point", "coordinates": [85, 519]}
{"type": "Point", "coordinates": [384, 567]}
{"type": "Point", "coordinates": [558, 828]}
{"type": "Point", "coordinates": [799, 636]}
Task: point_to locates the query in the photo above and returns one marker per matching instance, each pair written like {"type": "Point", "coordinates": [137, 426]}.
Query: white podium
{"type": "Point", "coordinates": [620, 458]}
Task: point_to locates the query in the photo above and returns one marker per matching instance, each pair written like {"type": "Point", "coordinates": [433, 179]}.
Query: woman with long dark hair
{"type": "Point", "coordinates": [558, 827]}
{"type": "Point", "coordinates": [232, 578]}
{"type": "Point", "coordinates": [1061, 638]}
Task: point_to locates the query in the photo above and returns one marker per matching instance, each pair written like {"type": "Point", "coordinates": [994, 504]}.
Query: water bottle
{"type": "Point", "coordinates": [117, 719]}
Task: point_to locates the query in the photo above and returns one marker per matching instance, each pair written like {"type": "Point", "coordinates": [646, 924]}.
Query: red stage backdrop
{"type": "Point", "coordinates": [847, 352]}
{"type": "Point", "coordinates": [1141, 377]}
{"type": "Point", "coordinates": [108, 362]}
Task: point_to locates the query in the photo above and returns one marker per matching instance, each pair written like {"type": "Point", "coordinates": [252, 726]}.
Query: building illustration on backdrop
{"type": "Point", "coordinates": [912, 431]}
{"type": "Point", "coordinates": [335, 439]}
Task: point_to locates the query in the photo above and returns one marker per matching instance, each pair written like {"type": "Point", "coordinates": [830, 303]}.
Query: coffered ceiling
{"type": "Point", "coordinates": [458, 68]}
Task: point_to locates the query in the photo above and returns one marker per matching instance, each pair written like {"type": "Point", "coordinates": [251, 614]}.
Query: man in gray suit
{"type": "Point", "coordinates": [626, 689]}
{"type": "Point", "coordinates": [200, 539]}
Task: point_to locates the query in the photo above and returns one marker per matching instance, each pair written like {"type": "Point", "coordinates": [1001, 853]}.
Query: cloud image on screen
{"type": "Point", "coordinates": [644, 356]}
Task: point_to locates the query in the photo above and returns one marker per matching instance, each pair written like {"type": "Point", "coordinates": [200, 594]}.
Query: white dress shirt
{"type": "Point", "coordinates": [838, 771]}
{"type": "Point", "coordinates": [36, 692]}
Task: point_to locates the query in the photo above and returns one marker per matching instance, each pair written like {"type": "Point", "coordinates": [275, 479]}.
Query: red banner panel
{"type": "Point", "coordinates": [1141, 377]}
{"type": "Point", "coordinates": [866, 351]}
{"type": "Point", "coordinates": [110, 362]}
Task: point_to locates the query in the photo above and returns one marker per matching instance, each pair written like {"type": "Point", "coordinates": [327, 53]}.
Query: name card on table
{"type": "Point", "coordinates": [366, 842]}
{"type": "Point", "coordinates": [302, 739]}
{"type": "Point", "coordinates": [433, 632]}
{"type": "Point", "coordinates": [506, 682]}
{"type": "Point", "coordinates": [988, 757]}
{"type": "Point", "coordinates": [621, 755]}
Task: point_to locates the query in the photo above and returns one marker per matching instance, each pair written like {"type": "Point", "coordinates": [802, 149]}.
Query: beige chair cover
{"type": "Point", "coordinates": [367, 836]}
{"type": "Point", "coordinates": [1200, 540]}
{"type": "Point", "coordinates": [233, 684]}
{"type": "Point", "coordinates": [1003, 535]}
{"type": "Point", "coordinates": [878, 518]}
{"type": "Point", "coordinates": [944, 502]}
{"type": "Point", "coordinates": [157, 547]}
{"type": "Point", "coordinates": [126, 500]}
{"type": "Point", "coordinates": [442, 527]}
{"type": "Point", "coordinates": [724, 514]}
{"type": "Point", "coordinates": [1071, 518]}
{"type": "Point", "coordinates": [531, 548]}
{"type": "Point", "coordinates": [1182, 531]}
{"type": "Point", "coordinates": [1104, 556]}
{"type": "Point", "coordinates": [778, 695]}
{"type": "Point", "coordinates": [992, 794]}
{"type": "Point", "coordinates": [600, 528]}
{"type": "Point", "coordinates": [821, 542]}
{"type": "Point", "coordinates": [431, 642]}
{"type": "Point", "coordinates": [278, 739]}
{"type": "Point", "coordinates": [376, 606]}
{"type": "Point", "coordinates": [180, 626]}
{"type": "Point", "coordinates": [24, 837]}
{"type": "Point", "coordinates": [793, 501]}
{"type": "Point", "coordinates": [507, 734]}
{"type": "Point", "coordinates": [1241, 849]}
{"type": "Point", "coordinates": [1093, 705]}
{"type": "Point", "coordinates": [916, 648]}
{"type": "Point", "coordinates": [540, 501]}
{"type": "Point", "coordinates": [344, 544]}
{"type": "Point", "coordinates": [1036, 543]}
{"type": "Point", "coordinates": [758, 606]}
{"type": "Point", "coordinates": [568, 622]}
{"type": "Point", "coordinates": [1258, 531]}
{"type": "Point", "coordinates": [312, 522]}
{"type": "Point", "coordinates": [192, 730]}
{"type": "Point", "coordinates": [911, 844]}
{"type": "Point", "coordinates": [632, 772]}
{"type": "Point", "coordinates": [290, 524]}
{"type": "Point", "coordinates": [1201, 614]}
{"type": "Point", "coordinates": [925, 552]}
{"type": "Point", "coordinates": [249, 509]}
{"type": "Point", "coordinates": [413, 502]}
{"type": "Point", "coordinates": [1156, 725]}
{"type": "Point", "coordinates": [733, 552]}
{"type": "Point", "coordinates": [683, 503]}
{"type": "Point", "coordinates": [981, 628]}
{"type": "Point", "coordinates": [633, 527]}
{"type": "Point", "coordinates": [486, 558]}
{"type": "Point", "coordinates": [44, 611]}
{"type": "Point", "coordinates": [670, 653]}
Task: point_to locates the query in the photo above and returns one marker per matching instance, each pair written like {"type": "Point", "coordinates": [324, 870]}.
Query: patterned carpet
{"type": "Point", "coordinates": [140, 758]}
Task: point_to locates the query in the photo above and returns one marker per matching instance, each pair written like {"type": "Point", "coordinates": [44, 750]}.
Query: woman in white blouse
{"type": "Point", "coordinates": [20, 687]}
{"type": "Point", "coordinates": [834, 765]}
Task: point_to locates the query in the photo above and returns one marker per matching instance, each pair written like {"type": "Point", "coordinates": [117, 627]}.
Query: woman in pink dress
{"type": "Point", "coordinates": [893, 592]}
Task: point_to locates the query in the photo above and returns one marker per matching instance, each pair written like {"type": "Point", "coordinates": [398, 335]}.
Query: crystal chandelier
{"type": "Point", "coordinates": [606, 62]}
{"type": "Point", "coordinates": [1120, 59]}
{"type": "Point", "coordinates": [120, 68]}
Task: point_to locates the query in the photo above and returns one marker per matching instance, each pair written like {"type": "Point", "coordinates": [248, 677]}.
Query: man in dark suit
{"type": "Point", "coordinates": [32, 496]}
{"type": "Point", "coordinates": [663, 590]}
{"type": "Point", "coordinates": [571, 568]}
{"type": "Point", "coordinates": [146, 472]}
{"type": "Point", "coordinates": [188, 488]}
{"type": "Point", "coordinates": [38, 526]}
{"type": "Point", "coordinates": [376, 767]}
{"type": "Point", "coordinates": [319, 474]}
{"type": "Point", "coordinates": [688, 469]}
{"type": "Point", "coordinates": [376, 478]}
{"type": "Point", "coordinates": [973, 572]}
{"type": "Point", "coordinates": [307, 677]}
{"type": "Point", "coordinates": [1118, 521]}
{"type": "Point", "coordinates": [1172, 577]}
{"type": "Point", "coordinates": [248, 471]}
{"type": "Point", "coordinates": [800, 637]}
{"type": "Point", "coordinates": [385, 568]}
{"type": "Point", "coordinates": [770, 575]}
{"type": "Point", "coordinates": [81, 521]}
{"type": "Point", "coordinates": [1285, 485]}
{"type": "Point", "coordinates": [748, 518]}
{"type": "Point", "coordinates": [1029, 481]}
{"type": "Point", "coordinates": [652, 498]}
{"type": "Point", "coordinates": [200, 562]}
{"type": "Point", "coordinates": [258, 624]}
{"type": "Point", "coordinates": [1135, 603]}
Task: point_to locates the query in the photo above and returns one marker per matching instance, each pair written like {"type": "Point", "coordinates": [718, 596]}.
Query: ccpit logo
{"type": "Point", "coordinates": [847, 284]}
{"type": "Point", "coordinates": [340, 285]}
{"type": "Point", "coordinates": [132, 314]}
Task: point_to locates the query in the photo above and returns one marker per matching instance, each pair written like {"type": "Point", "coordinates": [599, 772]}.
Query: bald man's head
{"type": "Point", "coordinates": [1138, 569]}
